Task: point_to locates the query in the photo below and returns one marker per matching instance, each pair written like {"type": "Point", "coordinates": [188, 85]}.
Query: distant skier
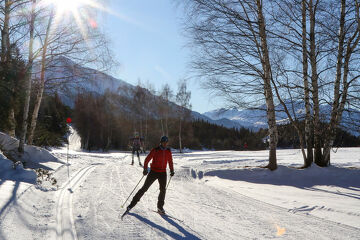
{"type": "Point", "coordinates": [160, 156]}
{"type": "Point", "coordinates": [245, 146]}
{"type": "Point", "coordinates": [136, 142]}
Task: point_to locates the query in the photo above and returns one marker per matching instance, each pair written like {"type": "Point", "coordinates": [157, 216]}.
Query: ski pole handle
{"type": "Point", "coordinates": [168, 183]}
{"type": "Point", "coordinates": [132, 191]}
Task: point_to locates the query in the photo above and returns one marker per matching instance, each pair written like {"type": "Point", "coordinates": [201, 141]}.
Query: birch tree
{"type": "Point", "coordinates": [166, 96]}
{"type": "Point", "coordinates": [330, 45]}
{"type": "Point", "coordinates": [232, 55]}
{"type": "Point", "coordinates": [289, 39]}
{"type": "Point", "coordinates": [28, 77]}
{"type": "Point", "coordinates": [183, 100]}
{"type": "Point", "coordinates": [62, 37]}
{"type": "Point", "coordinates": [348, 37]}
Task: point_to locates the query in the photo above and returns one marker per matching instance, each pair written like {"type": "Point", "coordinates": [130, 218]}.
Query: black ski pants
{"type": "Point", "coordinates": [152, 176]}
{"type": "Point", "coordinates": [137, 152]}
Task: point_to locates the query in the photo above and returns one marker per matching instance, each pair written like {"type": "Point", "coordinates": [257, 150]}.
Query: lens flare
{"type": "Point", "coordinates": [280, 231]}
{"type": "Point", "coordinates": [79, 10]}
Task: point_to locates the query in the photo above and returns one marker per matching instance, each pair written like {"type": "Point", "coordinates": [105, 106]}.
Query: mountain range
{"type": "Point", "coordinates": [256, 118]}
{"type": "Point", "coordinates": [71, 79]}
{"type": "Point", "coordinates": [68, 79]}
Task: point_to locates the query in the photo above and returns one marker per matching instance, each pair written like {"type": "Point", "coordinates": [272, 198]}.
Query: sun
{"type": "Point", "coordinates": [77, 10]}
{"type": "Point", "coordinates": [65, 6]}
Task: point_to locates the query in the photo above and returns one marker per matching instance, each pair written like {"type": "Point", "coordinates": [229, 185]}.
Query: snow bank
{"type": "Point", "coordinates": [7, 172]}
{"type": "Point", "coordinates": [33, 155]}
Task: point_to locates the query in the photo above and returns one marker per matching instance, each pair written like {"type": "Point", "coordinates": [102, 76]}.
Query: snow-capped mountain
{"type": "Point", "coordinates": [256, 118]}
{"type": "Point", "coordinates": [220, 121]}
{"type": "Point", "coordinates": [68, 79]}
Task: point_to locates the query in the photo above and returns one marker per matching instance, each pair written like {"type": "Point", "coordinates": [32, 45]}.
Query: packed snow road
{"type": "Point", "coordinates": [93, 187]}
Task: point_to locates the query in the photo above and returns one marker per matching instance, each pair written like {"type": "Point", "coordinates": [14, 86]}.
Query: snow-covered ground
{"type": "Point", "coordinates": [213, 195]}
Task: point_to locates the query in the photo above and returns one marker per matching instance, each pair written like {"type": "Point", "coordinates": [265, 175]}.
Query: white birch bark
{"type": "Point", "coordinates": [28, 80]}
{"type": "Point", "coordinates": [273, 134]}
{"type": "Point", "coordinates": [42, 82]}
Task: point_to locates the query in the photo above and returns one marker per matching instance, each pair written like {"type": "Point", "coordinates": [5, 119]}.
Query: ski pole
{"type": "Point", "coordinates": [132, 191]}
{"type": "Point", "coordinates": [168, 183]}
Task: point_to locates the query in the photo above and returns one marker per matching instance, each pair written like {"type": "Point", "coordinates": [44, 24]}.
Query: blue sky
{"type": "Point", "coordinates": [147, 41]}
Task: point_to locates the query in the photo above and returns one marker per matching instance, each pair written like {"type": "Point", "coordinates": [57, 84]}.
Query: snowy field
{"type": "Point", "coordinates": [213, 195]}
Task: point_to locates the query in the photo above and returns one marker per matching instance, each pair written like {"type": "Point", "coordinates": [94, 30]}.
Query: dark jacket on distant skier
{"type": "Point", "coordinates": [136, 143]}
{"type": "Point", "coordinates": [160, 158]}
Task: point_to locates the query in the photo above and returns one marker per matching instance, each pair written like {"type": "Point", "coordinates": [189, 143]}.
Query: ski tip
{"type": "Point", "coordinates": [122, 216]}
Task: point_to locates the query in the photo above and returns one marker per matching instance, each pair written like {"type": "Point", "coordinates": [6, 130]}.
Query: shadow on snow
{"type": "Point", "coordinates": [301, 178]}
{"type": "Point", "coordinates": [187, 235]}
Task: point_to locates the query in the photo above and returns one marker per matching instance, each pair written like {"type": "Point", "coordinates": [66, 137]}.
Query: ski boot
{"type": "Point", "coordinates": [161, 211]}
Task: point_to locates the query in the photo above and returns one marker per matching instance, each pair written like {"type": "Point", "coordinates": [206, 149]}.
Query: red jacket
{"type": "Point", "coordinates": [160, 157]}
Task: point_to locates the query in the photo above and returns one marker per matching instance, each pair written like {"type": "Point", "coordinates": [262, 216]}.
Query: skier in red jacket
{"type": "Point", "coordinates": [160, 156]}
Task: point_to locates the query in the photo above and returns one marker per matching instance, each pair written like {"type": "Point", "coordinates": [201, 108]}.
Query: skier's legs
{"type": "Point", "coordinates": [138, 155]}
{"type": "Point", "coordinates": [162, 184]}
{"type": "Point", "coordinates": [132, 155]}
{"type": "Point", "coordinates": [149, 180]}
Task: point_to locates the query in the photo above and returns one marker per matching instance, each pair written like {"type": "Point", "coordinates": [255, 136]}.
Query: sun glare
{"type": "Point", "coordinates": [67, 5]}
{"type": "Point", "coordinates": [79, 10]}
{"type": "Point", "coordinates": [62, 7]}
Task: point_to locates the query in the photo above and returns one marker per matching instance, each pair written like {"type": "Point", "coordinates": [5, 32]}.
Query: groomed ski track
{"type": "Point", "coordinates": [65, 227]}
{"type": "Point", "coordinates": [202, 211]}
{"type": "Point", "coordinates": [93, 188]}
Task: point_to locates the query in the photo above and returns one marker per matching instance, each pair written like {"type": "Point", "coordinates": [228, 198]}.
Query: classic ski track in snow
{"type": "Point", "coordinates": [128, 223]}
{"type": "Point", "coordinates": [203, 210]}
{"type": "Point", "coordinates": [65, 226]}
{"type": "Point", "coordinates": [88, 206]}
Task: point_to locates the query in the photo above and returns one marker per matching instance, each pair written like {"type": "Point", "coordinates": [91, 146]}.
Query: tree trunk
{"type": "Point", "coordinates": [11, 120]}
{"type": "Point", "coordinates": [42, 82]}
{"type": "Point", "coordinates": [331, 133]}
{"type": "Point", "coordinates": [180, 145]}
{"type": "Point", "coordinates": [338, 106]}
{"type": "Point", "coordinates": [166, 124]}
{"type": "Point", "coordinates": [28, 82]}
{"type": "Point", "coordinates": [315, 87]}
{"type": "Point", "coordinates": [6, 60]}
{"type": "Point", "coordinates": [5, 39]}
{"type": "Point", "coordinates": [86, 146]}
{"type": "Point", "coordinates": [308, 136]}
{"type": "Point", "coordinates": [162, 127]}
{"type": "Point", "coordinates": [267, 88]}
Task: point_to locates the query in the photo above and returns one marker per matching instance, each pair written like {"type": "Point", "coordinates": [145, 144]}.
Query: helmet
{"type": "Point", "coordinates": [164, 139]}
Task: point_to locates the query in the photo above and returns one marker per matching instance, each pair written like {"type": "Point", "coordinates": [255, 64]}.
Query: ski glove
{"type": "Point", "coordinates": [145, 172]}
{"type": "Point", "coordinates": [172, 173]}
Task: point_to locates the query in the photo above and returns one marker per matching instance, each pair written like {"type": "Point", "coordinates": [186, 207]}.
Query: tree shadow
{"type": "Point", "coordinates": [308, 178]}
{"type": "Point", "coordinates": [20, 211]}
{"type": "Point", "coordinates": [187, 235]}
{"type": "Point", "coordinates": [35, 165]}
{"type": "Point", "coordinates": [11, 200]}
{"type": "Point", "coordinates": [16, 176]}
